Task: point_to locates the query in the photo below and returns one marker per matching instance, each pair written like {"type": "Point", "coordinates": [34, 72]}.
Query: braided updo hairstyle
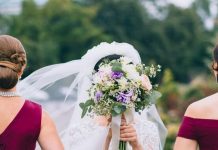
{"type": "Point", "coordinates": [11, 51]}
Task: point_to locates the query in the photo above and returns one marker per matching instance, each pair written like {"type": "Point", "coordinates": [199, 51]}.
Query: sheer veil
{"type": "Point", "coordinates": [60, 88]}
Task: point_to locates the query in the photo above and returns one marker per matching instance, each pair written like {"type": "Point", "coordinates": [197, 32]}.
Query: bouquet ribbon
{"type": "Point", "coordinates": [115, 127]}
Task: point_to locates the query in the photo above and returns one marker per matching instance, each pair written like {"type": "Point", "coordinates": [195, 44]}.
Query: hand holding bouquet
{"type": "Point", "coordinates": [119, 86]}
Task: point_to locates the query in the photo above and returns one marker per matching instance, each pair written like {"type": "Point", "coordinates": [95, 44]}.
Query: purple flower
{"type": "Point", "coordinates": [116, 75]}
{"type": "Point", "coordinates": [124, 97]}
{"type": "Point", "coordinates": [98, 95]}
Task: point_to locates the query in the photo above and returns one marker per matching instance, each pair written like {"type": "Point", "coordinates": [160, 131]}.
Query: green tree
{"type": "Point", "coordinates": [27, 26]}
{"type": "Point", "coordinates": [63, 30]}
{"type": "Point", "coordinates": [4, 21]}
{"type": "Point", "coordinates": [202, 7]}
{"type": "Point", "coordinates": [71, 27]}
{"type": "Point", "coordinates": [52, 35]}
{"type": "Point", "coordinates": [123, 20]}
{"type": "Point", "coordinates": [179, 42]}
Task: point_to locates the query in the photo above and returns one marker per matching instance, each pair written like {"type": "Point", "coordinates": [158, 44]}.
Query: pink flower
{"type": "Point", "coordinates": [146, 84]}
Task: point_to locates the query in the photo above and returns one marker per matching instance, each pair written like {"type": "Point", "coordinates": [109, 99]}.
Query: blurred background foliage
{"type": "Point", "coordinates": [177, 38]}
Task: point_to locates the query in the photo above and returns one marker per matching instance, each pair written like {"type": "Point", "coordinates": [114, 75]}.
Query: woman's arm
{"type": "Point", "coordinates": [183, 143]}
{"type": "Point", "coordinates": [48, 138]}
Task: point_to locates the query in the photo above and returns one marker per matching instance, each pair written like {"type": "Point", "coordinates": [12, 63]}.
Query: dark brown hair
{"type": "Point", "coordinates": [109, 57]}
{"type": "Point", "coordinates": [215, 53]}
{"type": "Point", "coordinates": [12, 52]}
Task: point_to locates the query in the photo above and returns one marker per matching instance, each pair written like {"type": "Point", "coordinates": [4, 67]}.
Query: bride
{"type": "Point", "coordinates": [60, 88]}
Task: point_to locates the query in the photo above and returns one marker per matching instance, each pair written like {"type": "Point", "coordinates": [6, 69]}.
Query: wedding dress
{"type": "Point", "coordinates": [90, 135]}
{"type": "Point", "coordinates": [65, 86]}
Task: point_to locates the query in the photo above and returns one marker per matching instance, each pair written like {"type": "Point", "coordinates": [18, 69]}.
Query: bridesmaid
{"type": "Point", "coordinates": [199, 128]}
{"type": "Point", "coordinates": [22, 122]}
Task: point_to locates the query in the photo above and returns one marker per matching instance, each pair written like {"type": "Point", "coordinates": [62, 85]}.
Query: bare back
{"type": "Point", "coordinates": [9, 108]}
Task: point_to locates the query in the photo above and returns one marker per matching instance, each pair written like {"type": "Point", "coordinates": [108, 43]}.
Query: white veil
{"type": "Point", "coordinates": [60, 88]}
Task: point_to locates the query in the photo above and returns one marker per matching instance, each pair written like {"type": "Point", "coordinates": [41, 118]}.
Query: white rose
{"type": "Point", "coordinates": [125, 60]}
{"type": "Point", "coordinates": [131, 72]}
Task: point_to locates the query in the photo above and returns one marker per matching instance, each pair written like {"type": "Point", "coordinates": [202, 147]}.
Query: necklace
{"type": "Point", "coordinates": [9, 94]}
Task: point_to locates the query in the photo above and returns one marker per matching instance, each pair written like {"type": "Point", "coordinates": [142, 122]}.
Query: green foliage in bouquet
{"type": "Point", "coordinates": [120, 85]}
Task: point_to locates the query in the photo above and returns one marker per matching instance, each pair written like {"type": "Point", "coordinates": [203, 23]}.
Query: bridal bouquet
{"type": "Point", "coordinates": [118, 86]}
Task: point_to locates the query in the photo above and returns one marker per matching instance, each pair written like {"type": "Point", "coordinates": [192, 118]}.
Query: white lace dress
{"type": "Point", "coordinates": [91, 136]}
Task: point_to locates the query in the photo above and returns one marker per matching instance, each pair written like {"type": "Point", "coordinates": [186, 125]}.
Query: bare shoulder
{"type": "Point", "coordinates": [202, 107]}
{"type": "Point", "coordinates": [46, 119]}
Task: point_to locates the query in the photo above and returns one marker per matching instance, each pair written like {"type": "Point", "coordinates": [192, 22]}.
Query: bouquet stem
{"type": "Point", "coordinates": [122, 145]}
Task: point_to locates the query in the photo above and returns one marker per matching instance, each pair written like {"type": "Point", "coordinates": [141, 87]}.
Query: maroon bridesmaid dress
{"type": "Point", "coordinates": [23, 132]}
{"type": "Point", "coordinates": [204, 131]}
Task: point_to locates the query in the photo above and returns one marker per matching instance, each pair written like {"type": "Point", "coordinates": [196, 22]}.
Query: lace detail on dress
{"type": "Point", "coordinates": [148, 135]}
{"type": "Point", "coordinates": [77, 134]}
{"type": "Point", "coordinates": [89, 135]}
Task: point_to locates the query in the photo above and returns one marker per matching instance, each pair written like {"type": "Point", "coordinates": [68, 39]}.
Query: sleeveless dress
{"type": "Point", "coordinates": [204, 131]}
{"type": "Point", "coordinates": [23, 132]}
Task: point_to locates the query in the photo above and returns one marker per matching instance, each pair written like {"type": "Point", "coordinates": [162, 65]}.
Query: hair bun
{"type": "Point", "coordinates": [13, 58]}
{"type": "Point", "coordinates": [17, 58]}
